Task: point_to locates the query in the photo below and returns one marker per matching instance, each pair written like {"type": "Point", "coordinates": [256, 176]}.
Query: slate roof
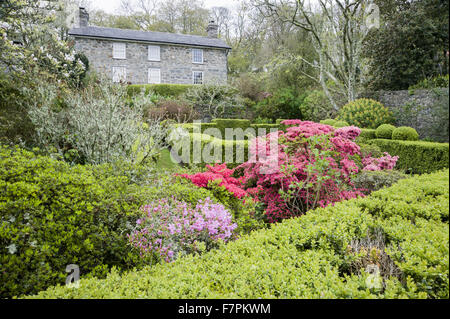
{"type": "Point", "coordinates": [148, 36]}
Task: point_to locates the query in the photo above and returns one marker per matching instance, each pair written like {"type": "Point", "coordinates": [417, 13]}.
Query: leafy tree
{"type": "Point", "coordinates": [411, 44]}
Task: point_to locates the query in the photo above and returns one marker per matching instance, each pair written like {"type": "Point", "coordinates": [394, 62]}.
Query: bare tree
{"type": "Point", "coordinates": [337, 29]}
{"type": "Point", "coordinates": [144, 11]}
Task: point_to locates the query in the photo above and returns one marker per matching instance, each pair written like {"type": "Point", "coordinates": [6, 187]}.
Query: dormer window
{"type": "Point", "coordinates": [119, 51]}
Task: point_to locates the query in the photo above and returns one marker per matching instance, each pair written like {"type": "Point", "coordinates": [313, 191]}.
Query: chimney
{"type": "Point", "coordinates": [84, 18]}
{"type": "Point", "coordinates": [212, 29]}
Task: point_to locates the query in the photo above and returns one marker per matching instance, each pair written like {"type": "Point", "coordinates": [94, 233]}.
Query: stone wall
{"type": "Point", "coordinates": [425, 110]}
{"type": "Point", "coordinates": [176, 61]}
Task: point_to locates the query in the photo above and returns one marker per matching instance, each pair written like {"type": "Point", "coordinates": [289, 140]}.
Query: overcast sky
{"type": "Point", "coordinates": [111, 6]}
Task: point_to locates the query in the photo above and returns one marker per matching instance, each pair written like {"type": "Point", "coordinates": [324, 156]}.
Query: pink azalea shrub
{"type": "Point", "coordinates": [385, 162]}
{"type": "Point", "coordinates": [312, 167]}
{"type": "Point", "coordinates": [218, 173]}
{"type": "Point", "coordinates": [170, 228]}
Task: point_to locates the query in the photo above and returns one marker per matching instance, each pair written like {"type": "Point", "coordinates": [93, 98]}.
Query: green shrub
{"type": "Point", "coordinates": [367, 134]}
{"type": "Point", "coordinates": [340, 124]}
{"type": "Point", "coordinates": [223, 124]}
{"type": "Point", "coordinates": [166, 90]}
{"type": "Point", "coordinates": [404, 133]}
{"type": "Point", "coordinates": [316, 106]}
{"type": "Point", "coordinates": [384, 131]}
{"type": "Point", "coordinates": [371, 150]}
{"type": "Point", "coordinates": [53, 215]}
{"type": "Point", "coordinates": [440, 81]}
{"type": "Point", "coordinates": [370, 181]}
{"type": "Point", "coordinates": [416, 156]}
{"type": "Point", "coordinates": [284, 103]}
{"type": "Point", "coordinates": [366, 113]}
{"type": "Point", "coordinates": [208, 145]}
{"type": "Point", "coordinates": [308, 257]}
{"type": "Point", "coordinates": [267, 127]}
{"type": "Point", "coordinates": [328, 122]}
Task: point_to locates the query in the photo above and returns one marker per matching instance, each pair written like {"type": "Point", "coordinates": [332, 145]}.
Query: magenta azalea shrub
{"type": "Point", "coordinates": [385, 162]}
{"type": "Point", "coordinates": [293, 171]}
{"type": "Point", "coordinates": [312, 167]}
{"type": "Point", "coordinates": [170, 228]}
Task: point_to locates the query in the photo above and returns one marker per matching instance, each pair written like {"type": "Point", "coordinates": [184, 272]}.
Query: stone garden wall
{"type": "Point", "coordinates": [425, 110]}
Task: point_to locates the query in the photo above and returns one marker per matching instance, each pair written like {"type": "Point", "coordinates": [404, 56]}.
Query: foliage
{"type": "Point", "coordinates": [405, 133]}
{"type": "Point", "coordinates": [284, 103]}
{"type": "Point", "coordinates": [340, 124]}
{"type": "Point", "coordinates": [214, 100]}
{"type": "Point", "coordinates": [409, 46]}
{"type": "Point", "coordinates": [371, 181]}
{"type": "Point", "coordinates": [384, 131]}
{"type": "Point", "coordinates": [367, 134]}
{"type": "Point", "coordinates": [440, 81]}
{"type": "Point", "coordinates": [365, 113]}
{"type": "Point", "coordinates": [168, 109]}
{"type": "Point", "coordinates": [317, 107]}
{"type": "Point", "coordinates": [412, 217]}
{"type": "Point", "coordinates": [223, 124]}
{"type": "Point", "coordinates": [416, 157]}
{"type": "Point", "coordinates": [170, 228]}
{"type": "Point", "coordinates": [328, 122]}
{"type": "Point", "coordinates": [164, 90]}
{"type": "Point", "coordinates": [95, 125]}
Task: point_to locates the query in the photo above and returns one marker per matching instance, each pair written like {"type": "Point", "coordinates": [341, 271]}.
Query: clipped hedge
{"type": "Point", "coordinates": [328, 122]}
{"type": "Point", "coordinates": [223, 124]}
{"type": "Point", "coordinates": [367, 134]}
{"type": "Point", "coordinates": [405, 133]}
{"type": "Point", "coordinates": [416, 156]}
{"type": "Point", "coordinates": [167, 90]}
{"type": "Point", "coordinates": [339, 124]}
{"type": "Point", "coordinates": [208, 142]}
{"type": "Point", "coordinates": [384, 131]}
{"type": "Point", "coordinates": [53, 215]}
{"type": "Point", "coordinates": [308, 257]}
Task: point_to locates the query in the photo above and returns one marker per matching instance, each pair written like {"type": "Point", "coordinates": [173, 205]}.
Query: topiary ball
{"type": "Point", "coordinates": [328, 122]}
{"type": "Point", "coordinates": [365, 113]}
{"type": "Point", "coordinates": [385, 131]}
{"type": "Point", "coordinates": [405, 133]}
{"type": "Point", "coordinates": [340, 124]}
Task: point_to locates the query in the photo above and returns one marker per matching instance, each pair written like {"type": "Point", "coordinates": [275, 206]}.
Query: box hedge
{"type": "Point", "coordinates": [167, 90]}
{"type": "Point", "coordinates": [384, 131]}
{"type": "Point", "coordinates": [308, 257]}
{"type": "Point", "coordinates": [53, 215]}
{"type": "Point", "coordinates": [405, 133]}
{"type": "Point", "coordinates": [416, 156]}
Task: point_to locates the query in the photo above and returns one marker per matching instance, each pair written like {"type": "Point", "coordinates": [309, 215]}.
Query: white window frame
{"type": "Point", "coordinates": [157, 57]}
{"type": "Point", "coordinates": [119, 50]}
{"type": "Point", "coordinates": [124, 74]}
{"type": "Point", "coordinates": [194, 56]}
{"type": "Point", "coordinates": [193, 77]}
{"type": "Point", "coordinates": [149, 76]}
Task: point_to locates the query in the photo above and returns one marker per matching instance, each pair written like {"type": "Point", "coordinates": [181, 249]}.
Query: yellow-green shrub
{"type": "Point", "coordinates": [365, 113]}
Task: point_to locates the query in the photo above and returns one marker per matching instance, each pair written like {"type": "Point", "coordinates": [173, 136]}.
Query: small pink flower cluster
{"type": "Point", "coordinates": [221, 173]}
{"type": "Point", "coordinates": [348, 132]}
{"type": "Point", "coordinates": [378, 164]}
{"type": "Point", "coordinates": [170, 228]}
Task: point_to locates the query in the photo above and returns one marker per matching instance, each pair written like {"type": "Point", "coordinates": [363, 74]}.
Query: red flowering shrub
{"type": "Point", "coordinates": [291, 172]}
{"type": "Point", "coordinates": [218, 173]}
{"type": "Point", "coordinates": [312, 167]}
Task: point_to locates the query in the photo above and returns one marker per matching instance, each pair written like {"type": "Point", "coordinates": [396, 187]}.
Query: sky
{"type": "Point", "coordinates": [111, 6]}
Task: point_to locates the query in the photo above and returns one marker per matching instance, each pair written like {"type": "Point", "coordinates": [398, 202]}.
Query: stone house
{"type": "Point", "coordinates": [141, 57]}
